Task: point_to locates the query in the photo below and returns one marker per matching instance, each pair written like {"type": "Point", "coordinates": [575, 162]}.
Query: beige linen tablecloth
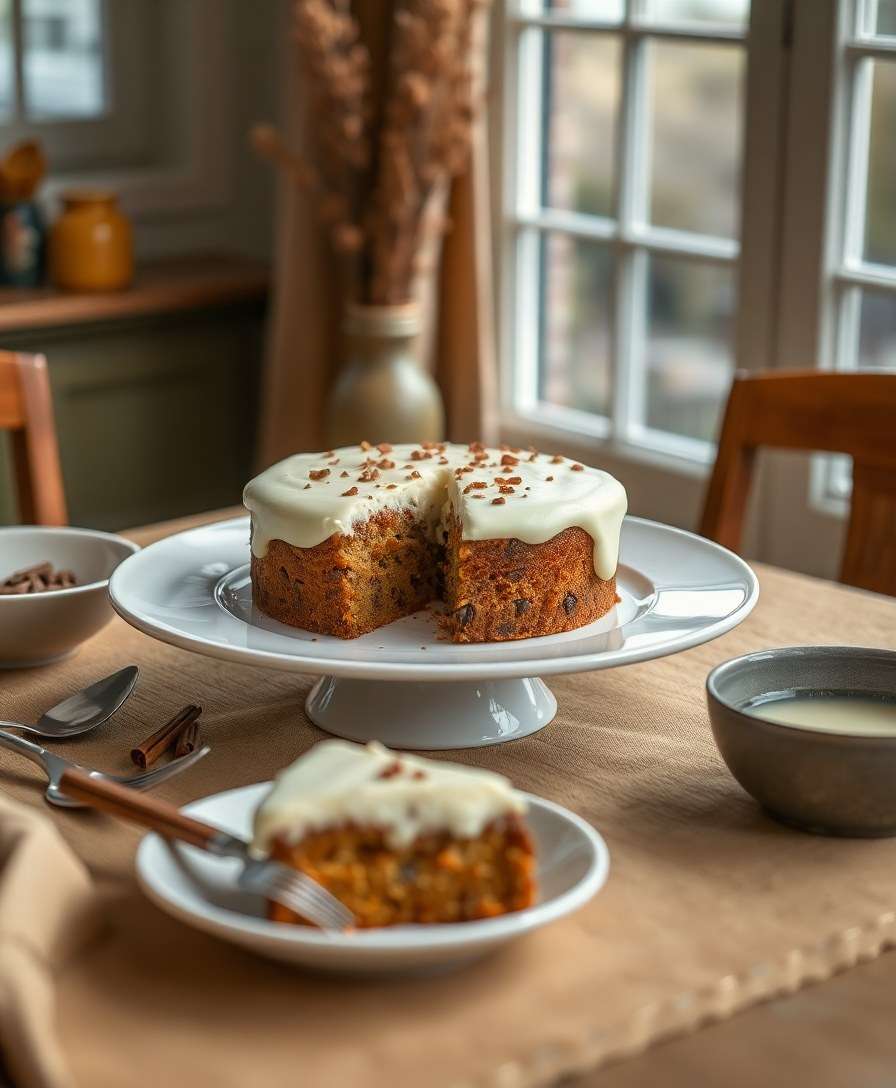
{"type": "Point", "coordinates": [710, 905]}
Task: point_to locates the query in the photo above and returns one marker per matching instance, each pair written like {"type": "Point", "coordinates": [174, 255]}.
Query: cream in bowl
{"type": "Point", "coordinates": [849, 712]}
{"type": "Point", "coordinates": [810, 732]}
{"type": "Point", "coordinates": [65, 601]}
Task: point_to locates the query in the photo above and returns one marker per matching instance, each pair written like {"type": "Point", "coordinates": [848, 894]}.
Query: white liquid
{"type": "Point", "coordinates": [831, 712]}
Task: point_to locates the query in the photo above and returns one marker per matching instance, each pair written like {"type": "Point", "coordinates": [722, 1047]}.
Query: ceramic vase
{"type": "Point", "coordinates": [383, 394]}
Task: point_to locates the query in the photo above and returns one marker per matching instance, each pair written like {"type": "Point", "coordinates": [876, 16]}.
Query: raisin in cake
{"type": "Point", "coordinates": [396, 838]}
{"type": "Point", "coordinates": [517, 543]}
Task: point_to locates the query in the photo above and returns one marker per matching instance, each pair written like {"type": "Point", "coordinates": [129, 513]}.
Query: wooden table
{"type": "Point", "coordinates": [833, 1034]}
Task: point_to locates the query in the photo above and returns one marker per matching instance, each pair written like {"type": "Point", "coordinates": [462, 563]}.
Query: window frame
{"type": "Point", "coordinates": [522, 221]}
{"type": "Point", "coordinates": [845, 272]}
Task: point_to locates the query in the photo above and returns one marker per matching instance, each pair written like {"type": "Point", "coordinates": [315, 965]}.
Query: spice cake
{"type": "Point", "coordinates": [396, 838]}
{"type": "Point", "coordinates": [518, 543]}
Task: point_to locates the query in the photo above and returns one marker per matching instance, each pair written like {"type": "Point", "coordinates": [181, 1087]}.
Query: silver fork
{"type": "Point", "coordinates": [55, 767]}
{"type": "Point", "coordinates": [269, 879]}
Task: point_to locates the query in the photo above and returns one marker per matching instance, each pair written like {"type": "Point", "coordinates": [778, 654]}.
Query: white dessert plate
{"type": "Point", "coordinates": [677, 590]}
{"type": "Point", "coordinates": [201, 890]}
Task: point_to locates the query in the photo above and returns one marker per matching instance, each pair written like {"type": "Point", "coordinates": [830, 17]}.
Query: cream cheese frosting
{"type": "Point", "coordinates": [496, 494]}
{"type": "Point", "coordinates": [338, 783]}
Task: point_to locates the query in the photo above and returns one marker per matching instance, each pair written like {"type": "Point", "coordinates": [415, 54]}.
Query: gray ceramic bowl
{"type": "Point", "coordinates": [829, 783]}
{"type": "Point", "coordinates": [38, 628]}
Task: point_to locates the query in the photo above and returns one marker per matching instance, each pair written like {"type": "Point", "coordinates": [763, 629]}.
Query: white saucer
{"type": "Point", "coordinates": [201, 890]}
{"type": "Point", "coordinates": [677, 590]}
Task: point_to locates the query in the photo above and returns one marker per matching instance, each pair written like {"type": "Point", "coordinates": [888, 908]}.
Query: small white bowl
{"type": "Point", "coordinates": [37, 628]}
{"type": "Point", "coordinates": [201, 890]}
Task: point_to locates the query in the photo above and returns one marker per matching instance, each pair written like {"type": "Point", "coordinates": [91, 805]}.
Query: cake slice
{"type": "Point", "coordinates": [398, 839]}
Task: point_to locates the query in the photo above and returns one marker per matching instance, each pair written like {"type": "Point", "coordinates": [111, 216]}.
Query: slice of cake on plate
{"type": "Point", "coordinates": [399, 839]}
{"type": "Point", "coordinates": [517, 543]}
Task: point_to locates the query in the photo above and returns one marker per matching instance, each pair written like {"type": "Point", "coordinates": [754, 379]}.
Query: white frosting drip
{"type": "Point", "coordinates": [288, 504]}
{"type": "Point", "coordinates": [336, 783]}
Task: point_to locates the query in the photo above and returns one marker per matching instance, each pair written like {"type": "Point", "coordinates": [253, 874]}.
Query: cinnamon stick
{"type": "Point", "coordinates": [187, 739]}
{"type": "Point", "coordinates": [145, 754]}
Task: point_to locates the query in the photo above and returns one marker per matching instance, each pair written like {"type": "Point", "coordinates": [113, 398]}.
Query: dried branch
{"type": "Point", "coordinates": [424, 136]}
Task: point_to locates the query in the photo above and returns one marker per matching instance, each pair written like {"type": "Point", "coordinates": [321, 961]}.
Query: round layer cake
{"type": "Point", "coordinates": [515, 542]}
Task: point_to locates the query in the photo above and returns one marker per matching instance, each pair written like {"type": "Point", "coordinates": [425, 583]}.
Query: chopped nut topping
{"type": "Point", "coordinates": [506, 459]}
{"type": "Point", "coordinates": [418, 774]}
{"type": "Point", "coordinates": [343, 473]}
{"type": "Point", "coordinates": [415, 475]}
{"type": "Point", "coordinates": [329, 453]}
{"type": "Point", "coordinates": [506, 489]}
{"type": "Point", "coordinates": [480, 455]}
{"type": "Point", "coordinates": [365, 445]}
{"type": "Point", "coordinates": [305, 488]}
{"type": "Point", "coordinates": [533, 457]}
{"type": "Point", "coordinates": [391, 770]}
{"type": "Point", "coordinates": [351, 491]}
{"type": "Point", "coordinates": [474, 485]}
{"type": "Point", "coordinates": [479, 496]}
{"type": "Point", "coordinates": [443, 460]}
{"type": "Point", "coordinates": [384, 447]}
{"type": "Point", "coordinates": [499, 501]}
{"type": "Point", "coordinates": [549, 478]}
{"type": "Point", "coordinates": [556, 459]}
{"type": "Point", "coordinates": [318, 473]}
{"type": "Point", "coordinates": [368, 475]}
{"type": "Point", "coordinates": [475, 446]}
{"type": "Point", "coordinates": [391, 487]}
{"type": "Point", "coordinates": [508, 480]}
{"type": "Point", "coordinates": [335, 461]}
{"type": "Point", "coordinates": [420, 455]}
{"type": "Point", "coordinates": [385, 463]}
{"type": "Point", "coordinates": [578, 468]}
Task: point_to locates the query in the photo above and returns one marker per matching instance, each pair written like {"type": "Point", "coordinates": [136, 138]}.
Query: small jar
{"type": "Point", "coordinates": [91, 245]}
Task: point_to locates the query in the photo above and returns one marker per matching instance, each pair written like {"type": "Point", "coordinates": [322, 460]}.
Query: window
{"type": "Point", "coordinates": [622, 163]}
{"type": "Point", "coordinates": [52, 62]}
{"type": "Point", "coordinates": [859, 305]}
{"type": "Point", "coordinates": [75, 74]}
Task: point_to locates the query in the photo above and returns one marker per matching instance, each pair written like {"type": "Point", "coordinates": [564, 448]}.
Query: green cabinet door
{"type": "Point", "coordinates": [156, 416]}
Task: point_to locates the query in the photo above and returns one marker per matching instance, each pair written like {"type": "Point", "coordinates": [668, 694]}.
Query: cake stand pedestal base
{"type": "Point", "coordinates": [431, 716]}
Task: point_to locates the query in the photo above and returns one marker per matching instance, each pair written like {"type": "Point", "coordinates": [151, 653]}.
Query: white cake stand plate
{"type": "Point", "coordinates": [403, 684]}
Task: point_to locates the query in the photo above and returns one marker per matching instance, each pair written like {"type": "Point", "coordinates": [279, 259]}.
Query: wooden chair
{"type": "Point", "coordinates": [26, 409]}
{"type": "Point", "coordinates": [851, 413]}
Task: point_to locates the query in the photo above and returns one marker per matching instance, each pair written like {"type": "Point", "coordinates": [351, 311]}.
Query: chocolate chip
{"type": "Point", "coordinates": [569, 602]}
{"type": "Point", "coordinates": [522, 605]}
{"type": "Point", "coordinates": [514, 575]}
{"type": "Point", "coordinates": [464, 615]}
{"type": "Point", "coordinates": [505, 629]}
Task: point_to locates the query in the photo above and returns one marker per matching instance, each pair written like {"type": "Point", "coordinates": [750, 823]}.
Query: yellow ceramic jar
{"type": "Point", "coordinates": [91, 245]}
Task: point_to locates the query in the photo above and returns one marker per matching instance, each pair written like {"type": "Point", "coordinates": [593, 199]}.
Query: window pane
{"type": "Point", "coordinates": [689, 345]}
{"type": "Point", "coordinates": [574, 367]}
{"type": "Point", "coordinates": [877, 330]}
{"type": "Point", "coordinates": [610, 10]}
{"type": "Point", "coordinates": [696, 98]}
{"type": "Point", "coordinates": [883, 19]}
{"type": "Point", "coordinates": [728, 12]}
{"type": "Point", "coordinates": [63, 61]}
{"type": "Point", "coordinates": [7, 65]}
{"type": "Point", "coordinates": [880, 209]}
{"type": "Point", "coordinates": [581, 94]}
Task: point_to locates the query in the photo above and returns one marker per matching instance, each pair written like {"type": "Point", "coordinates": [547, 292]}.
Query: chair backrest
{"type": "Point", "coordinates": [852, 413]}
{"type": "Point", "coordinates": [26, 410]}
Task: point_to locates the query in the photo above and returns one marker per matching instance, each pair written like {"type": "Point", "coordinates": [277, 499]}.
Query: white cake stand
{"type": "Point", "coordinates": [402, 684]}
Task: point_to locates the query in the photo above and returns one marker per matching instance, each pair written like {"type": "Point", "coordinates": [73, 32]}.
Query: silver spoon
{"type": "Point", "coordinates": [84, 710]}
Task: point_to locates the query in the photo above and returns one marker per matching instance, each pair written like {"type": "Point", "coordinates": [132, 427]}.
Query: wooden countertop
{"type": "Point", "coordinates": [164, 286]}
